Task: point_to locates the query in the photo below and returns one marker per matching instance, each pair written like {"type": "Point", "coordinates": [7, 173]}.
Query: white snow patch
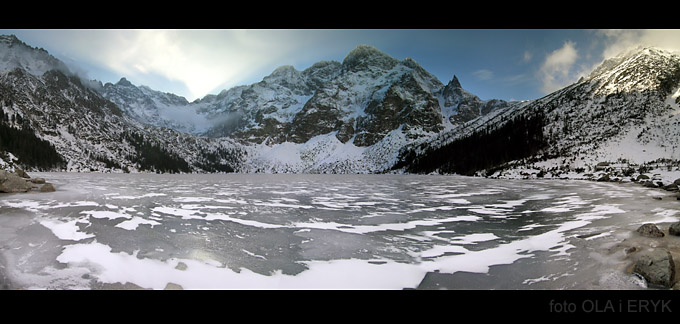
{"type": "Point", "coordinates": [133, 223]}
{"type": "Point", "coordinates": [105, 214]}
{"type": "Point", "coordinates": [110, 267]}
{"type": "Point", "coordinates": [66, 230]}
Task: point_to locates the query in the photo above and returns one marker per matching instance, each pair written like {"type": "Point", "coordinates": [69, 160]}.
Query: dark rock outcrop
{"type": "Point", "coordinates": [674, 229]}
{"type": "Point", "coordinates": [11, 183]}
{"type": "Point", "coordinates": [48, 187]}
{"type": "Point", "coordinates": [38, 180]}
{"type": "Point", "coordinates": [656, 266]}
{"type": "Point", "coordinates": [21, 173]}
{"type": "Point", "coordinates": [642, 177]}
{"type": "Point", "coordinates": [650, 230]}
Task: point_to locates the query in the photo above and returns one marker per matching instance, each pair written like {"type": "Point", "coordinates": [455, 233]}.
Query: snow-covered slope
{"type": "Point", "coordinates": [15, 54]}
{"type": "Point", "coordinates": [351, 116]}
{"type": "Point", "coordinates": [90, 132]}
{"type": "Point", "coordinates": [356, 116]}
{"type": "Point", "coordinates": [156, 108]}
{"type": "Point", "coordinates": [625, 110]}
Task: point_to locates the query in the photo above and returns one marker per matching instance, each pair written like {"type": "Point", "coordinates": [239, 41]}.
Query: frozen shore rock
{"type": "Point", "coordinates": [19, 181]}
{"type": "Point", "coordinates": [12, 182]}
{"type": "Point", "coordinates": [650, 230]}
{"type": "Point", "coordinates": [656, 266]}
{"type": "Point", "coordinates": [47, 187]}
{"type": "Point", "coordinates": [674, 229]}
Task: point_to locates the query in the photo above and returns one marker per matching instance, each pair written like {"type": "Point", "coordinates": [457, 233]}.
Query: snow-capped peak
{"type": "Point", "coordinates": [636, 70]}
{"type": "Point", "coordinates": [124, 82]}
{"type": "Point", "coordinates": [16, 54]}
{"type": "Point", "coordinates": [365, 56]}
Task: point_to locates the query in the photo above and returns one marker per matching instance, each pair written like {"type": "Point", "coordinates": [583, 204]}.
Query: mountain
{"type": "Point", "coordinates": [155, 108]}
{"type": "Point", "coordinates": [49, 112]}
{"type": "Point", "coordinates": [625, 111]}
{"type": "Point", "coordinates": [15, 54]}
{"type": "Point", "coordinates": [349, 116]}
{"type": "Point", "coordinates": [370, 113]}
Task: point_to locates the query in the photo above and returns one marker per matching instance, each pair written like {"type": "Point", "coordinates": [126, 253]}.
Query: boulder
{"type": "Point", "coordinates": [642, 177]}
{"type": "Point", "coordinates": [677, 182]}
{"type": "Point", "coordinates": [671, 187]}
{"type": "Point", "coordinates": [11, 182]}
{"type": "Point", "coordinates": [48, 187]}
{"type": "Point", "coordinates": [604, 178]}
{"type": "Point", "coordinates": [650, 230]}
{"type": "Point", "coordinates": [649, 184]}
{"type": "Point", "coordinates": [21, 173]}
{"type": "Point", "coordinates": [38, 180]}
{"type": "Point", "coordinates": [674, 229]}
{"type": "Point", "coordinates": [656, 266]}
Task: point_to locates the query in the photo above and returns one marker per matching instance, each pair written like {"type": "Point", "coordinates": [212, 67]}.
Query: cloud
{"type": "Point", "coordinates": [527, 56]}
{"type": "Point", "coordinates": [618, 41]}
{"type": "Point", "coordinates": [557, 69]}
{"type": "Point", "coordinates": [202, 60]}
{"type": "Point", "coordinates": [483, 74]}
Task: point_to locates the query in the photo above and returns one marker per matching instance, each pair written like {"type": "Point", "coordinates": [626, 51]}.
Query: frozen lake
{"type": "Point", "coordinates": [257, 231]}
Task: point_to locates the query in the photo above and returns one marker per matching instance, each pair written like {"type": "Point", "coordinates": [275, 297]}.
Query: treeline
{"type": "Point", "coordinates": [212, 161]}
{"type": "Point", "coordinates": [31, 151]}
{"type": "Point", "coordinates": [153, 157]}
{"type": "Point", "coordinates": [485, 149]}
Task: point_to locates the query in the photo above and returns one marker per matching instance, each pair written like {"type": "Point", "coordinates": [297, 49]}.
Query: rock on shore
{"type": "Point", "coordinates": [650, 230]}
{"type": "Point", "coordinates": [19, 181]}
{"type": "Point", "coordinates": [12, 182]}
{"type": "Point", "coordinates": [656, 266]}
{"type": "Point", "coordinates": [651, 251]}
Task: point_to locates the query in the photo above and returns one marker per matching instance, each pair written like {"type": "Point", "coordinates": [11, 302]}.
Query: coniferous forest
{"type": "Point", "coordinates": [152, 157]}
{"type": "Point", "coordinates": [31, 151]}
{"type": "Point", "coordinates": [484, 149]}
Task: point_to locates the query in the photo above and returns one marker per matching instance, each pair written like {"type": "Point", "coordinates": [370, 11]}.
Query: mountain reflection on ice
{"type": "Point", "coordinates": [259, 231]}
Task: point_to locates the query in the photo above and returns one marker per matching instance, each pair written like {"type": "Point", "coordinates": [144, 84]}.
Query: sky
{"type": "Point", "coordinates": [508, 64]}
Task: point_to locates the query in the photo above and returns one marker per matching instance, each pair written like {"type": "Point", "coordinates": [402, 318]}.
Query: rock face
{"type": "Point", "coordinates": [48, 187]}
{"type": "Point", "coordinates": [674, 229]}
{"type": "Point", "coordinates": [464, 106]}
{"type": "Point", "coordinates": [656, 266]}
{"type": "Point", "coordinates": [21, 173]}
{"type": "Point", "coordinates": [11, 182]}
{"type": "Point", "coordinates": [650, 230]}
{"type": "Point", "coordinates": [38, 180]}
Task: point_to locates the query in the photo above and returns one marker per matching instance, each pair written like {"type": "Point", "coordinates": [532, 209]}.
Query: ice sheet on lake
{"type": "Point", "coordinates": [312, 231]}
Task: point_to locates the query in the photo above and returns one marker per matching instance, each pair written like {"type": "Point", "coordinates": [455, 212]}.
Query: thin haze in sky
{"type": "Point", "coordinates": [490, 63]}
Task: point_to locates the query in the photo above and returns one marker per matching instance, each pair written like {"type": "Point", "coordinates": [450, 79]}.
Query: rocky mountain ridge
{"type": "Point", "coordinates": [350, 116]}
{"type": "Point", "coordinates": [41, 99]}
{"type": "Point", "coordinates": [369, 113]}
{"type": "Point", "coordinates": [625, 111]}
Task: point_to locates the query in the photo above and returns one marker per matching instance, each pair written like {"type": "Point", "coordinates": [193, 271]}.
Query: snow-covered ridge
{"type": "Point", "coordinates": [355, 116]}
{"type": "Point", "coordinates": [640, 69]}
{"type": "Point", "coordinates": [360, 107]}
{"type": "Point", "coordinates": [625, 111]}
{"type": "Point", "coordinates": [15, 54]}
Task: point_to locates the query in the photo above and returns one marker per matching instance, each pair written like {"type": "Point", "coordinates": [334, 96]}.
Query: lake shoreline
{"type": "Point", "coordinates": [255, 181]}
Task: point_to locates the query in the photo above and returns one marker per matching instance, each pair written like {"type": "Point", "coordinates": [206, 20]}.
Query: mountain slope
{"type": "Point", "coordinates": [370, 113]}
{"type": "Point", "coordinates": [625, 110]}
{"type": "Point", "coordinates": [39, 96]}
{"type": "Point", "coordinates": [154, 107]}
{"type": "Point", "coordinates": [350, 116]}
